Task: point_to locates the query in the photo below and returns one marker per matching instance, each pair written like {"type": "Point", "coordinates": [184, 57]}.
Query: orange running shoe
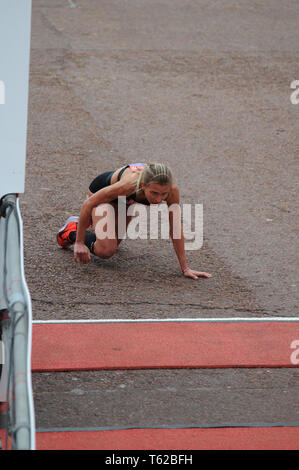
{"type": "Point", "coordinates": [63, 234]}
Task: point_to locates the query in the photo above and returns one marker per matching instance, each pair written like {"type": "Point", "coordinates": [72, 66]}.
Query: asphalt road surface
{"type": "Point", "coordinates": [205, 87]}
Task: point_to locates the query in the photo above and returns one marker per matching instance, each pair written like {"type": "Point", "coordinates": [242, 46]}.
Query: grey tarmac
{"type": "Point", "coordinates": [204, 86]}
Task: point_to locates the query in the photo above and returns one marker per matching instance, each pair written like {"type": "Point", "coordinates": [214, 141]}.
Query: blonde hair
{"type": "Point", "coordinates": [155, 173]}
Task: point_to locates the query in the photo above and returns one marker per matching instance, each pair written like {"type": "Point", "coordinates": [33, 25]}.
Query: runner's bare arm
{"type": "Point", "coordinates": [175, 228]}
{"type": "Point", "coordinates": [177, 235]}
{"type": "Point", "coordinates": [104, 195]}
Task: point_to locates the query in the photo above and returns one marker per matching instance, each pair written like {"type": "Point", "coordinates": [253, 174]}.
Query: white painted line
{"type": "Point", "coordinates": [165, 320]}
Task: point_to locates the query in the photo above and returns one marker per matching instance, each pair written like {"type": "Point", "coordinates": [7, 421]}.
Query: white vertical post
{"type": "Point", "coordinates": [15, 28]}
{"type": "Point", "coordinates": [15, 25]}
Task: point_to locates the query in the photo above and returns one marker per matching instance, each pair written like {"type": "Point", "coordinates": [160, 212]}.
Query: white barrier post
{"type": "Point", "coordinates": [15, 26]}
{"type": "Point", "coordinates": [15, 380]}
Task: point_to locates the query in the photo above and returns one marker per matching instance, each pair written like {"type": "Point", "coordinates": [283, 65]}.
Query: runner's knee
{"type": "Point", "coordinates": [104, 251]}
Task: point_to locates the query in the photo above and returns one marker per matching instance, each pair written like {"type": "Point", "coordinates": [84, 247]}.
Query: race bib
{"type": "Point", "coordinates": [130, 201]}
{"type": "Point", "coordinates": [137, 166]}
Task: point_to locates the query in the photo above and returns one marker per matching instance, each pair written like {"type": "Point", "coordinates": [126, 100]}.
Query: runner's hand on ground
{"type": "Point", "coordinates": [195, 274]}
{"type": "Point", "coordinates": [81, 253]}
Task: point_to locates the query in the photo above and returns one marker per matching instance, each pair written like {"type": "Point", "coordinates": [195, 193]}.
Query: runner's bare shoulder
{"type": "Point", "coordinates": [131, 175]}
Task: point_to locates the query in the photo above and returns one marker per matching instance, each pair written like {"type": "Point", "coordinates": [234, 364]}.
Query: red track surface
{"type": "Point", "coordinates": [165, 345]}
{"type": "Point", "coordinates": [176, 439]}
{"type": "Point", "coordinates": [162, 345]}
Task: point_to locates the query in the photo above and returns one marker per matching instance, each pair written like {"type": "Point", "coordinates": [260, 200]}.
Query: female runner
{"type": "Point", "coordinates": [138, 182]}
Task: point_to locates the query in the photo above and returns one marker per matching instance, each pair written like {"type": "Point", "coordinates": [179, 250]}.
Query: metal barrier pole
{"type": "Point", "coordinates": [17, 331]}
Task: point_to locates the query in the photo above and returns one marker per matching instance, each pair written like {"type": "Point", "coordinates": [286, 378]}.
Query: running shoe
{"type": "Point", "coordinates": [64, 233]}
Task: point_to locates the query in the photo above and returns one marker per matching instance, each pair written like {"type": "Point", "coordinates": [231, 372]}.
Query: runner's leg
{"type": "Point", "coordinates": [105, 224]}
